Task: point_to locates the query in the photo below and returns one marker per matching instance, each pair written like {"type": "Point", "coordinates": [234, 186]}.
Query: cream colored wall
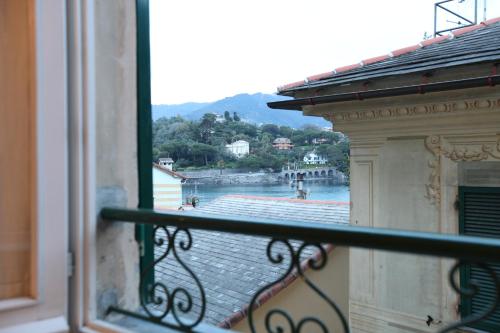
{"type": "Point", "coordinates": [405, 155]}
{"type": "Point", "coordinates": [116, 150]}
{"type": "Point", "coordinates": [167, 191]}
{"type": "Point", "coordinates": [116, 102]}
{"type": "Point", "coordinates": [300, 301]}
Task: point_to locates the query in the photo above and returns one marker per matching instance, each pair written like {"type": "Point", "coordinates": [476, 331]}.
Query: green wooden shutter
{"type": "Point", "coordinates": [480, 216]}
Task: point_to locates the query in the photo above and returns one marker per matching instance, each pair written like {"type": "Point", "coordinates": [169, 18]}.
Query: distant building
{"type": "Point", "coordinates": [319, 141]}
{"type": "Point", "coordinates": [239, 148]}
{"type": "Point", "coordinates": [219, 117]}
{"type": "Point", "coordinates": [167, 188]}
{"type": "Point", "coordinates": [313, 158]}
{"type": "Point", "coordinates": [166, 163]}
{"type": "Point", "coordinates": [282, 144]}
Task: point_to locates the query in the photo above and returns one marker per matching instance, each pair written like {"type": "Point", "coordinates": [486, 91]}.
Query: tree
{"type": "Point", "coordinates": [286, 131]}
{"type": "Point", "coordinates": [175, 149]}
{"type": "Point", "coordinates": [236, 117]}
{"type": "Point", "coordinates": [227, 116]}
{"type": "Point", "coordinates": [203, 143]}
{"type": "Point", "coordinates": [207, 126]}
{"type": "Point", "coordinates": [271, 129]}
{"type": "Point", "coordinates": [203, 152]}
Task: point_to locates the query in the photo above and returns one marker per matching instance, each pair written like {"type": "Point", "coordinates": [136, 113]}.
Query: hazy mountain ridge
{"type": "Point", "coordinates": [170, 110]}
{"type": "Point", "coordinates": [252, 108]}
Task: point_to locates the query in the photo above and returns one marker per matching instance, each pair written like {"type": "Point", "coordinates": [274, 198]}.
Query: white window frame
{"type": "Point", "coordinates": [82, 157]}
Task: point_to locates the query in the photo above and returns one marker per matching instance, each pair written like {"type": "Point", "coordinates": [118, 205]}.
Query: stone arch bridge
{"type": "Point", "coordinates": [312, 173]}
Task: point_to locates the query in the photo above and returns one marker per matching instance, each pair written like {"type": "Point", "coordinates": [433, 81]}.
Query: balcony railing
{"type": "Point", "coordinates": [167, 306]}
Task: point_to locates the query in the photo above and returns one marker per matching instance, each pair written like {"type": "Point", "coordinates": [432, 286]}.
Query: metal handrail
{"type": "Point", "coordinates": [426, 243]}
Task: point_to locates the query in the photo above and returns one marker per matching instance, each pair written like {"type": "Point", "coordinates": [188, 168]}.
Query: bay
{"type": "Point", "coordinates": [317, 190]}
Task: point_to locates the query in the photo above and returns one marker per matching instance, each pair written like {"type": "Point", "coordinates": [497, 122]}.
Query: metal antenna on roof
{"type": "Point", "coordinates": [442, 8]}
{"type": "Point", "coordinates": [484, 10]}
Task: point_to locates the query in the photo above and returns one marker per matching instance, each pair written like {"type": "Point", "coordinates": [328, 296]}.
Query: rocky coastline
{"type": "Point", "coordinates": [226, 177]}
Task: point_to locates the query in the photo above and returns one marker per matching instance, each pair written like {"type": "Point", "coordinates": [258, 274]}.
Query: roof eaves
{"type": "Point", "coordinates": [328, 75]}
{"type": "Point", "coordinates": [168, 171]}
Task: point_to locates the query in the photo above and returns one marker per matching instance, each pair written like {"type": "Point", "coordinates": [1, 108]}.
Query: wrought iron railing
{"type": "Point", "coordinates": [172, 232]}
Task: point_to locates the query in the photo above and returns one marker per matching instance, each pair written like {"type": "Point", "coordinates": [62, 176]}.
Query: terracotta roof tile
{"type": "Point", "coordinates": [434, 40]}
{"type": "Point", "coordinates": [492, 21]}
{"type": "Point", "coordinates": [398, 52]}
{"type": "Point", "coordinates": [320, 76]}
{"type": "Point", "coordinates": [375, 59]}
{"type": "Point", "coordinates": [462, 31]}
{"type": "Point", "coordinates": [292, 200]}
{"type": "Point", "coordinates": [347, 68]}
{"type": "Point", "coordinates": [292, 85]}
{"type": "Point", "coordinates": [330, 77]}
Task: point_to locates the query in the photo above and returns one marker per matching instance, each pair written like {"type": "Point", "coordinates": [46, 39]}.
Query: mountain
{"type": "Point", "coordinates": [252, 108]}
{"type": "Point", "coordinates": [182, 110]}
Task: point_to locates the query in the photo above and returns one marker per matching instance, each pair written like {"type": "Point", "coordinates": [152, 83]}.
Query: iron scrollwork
{"type": "Point", "coordinates": [160, 300]}
{"type": "Point", "coordinates": [294, 265]}
{"type": "Point", "coordinates": [470, 290]}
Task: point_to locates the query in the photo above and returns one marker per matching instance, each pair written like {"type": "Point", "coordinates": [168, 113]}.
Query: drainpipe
{"type": "Point", "coordinates": [297, 104]}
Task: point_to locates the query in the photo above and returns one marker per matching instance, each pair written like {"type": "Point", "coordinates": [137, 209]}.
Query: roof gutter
{"type": "Point", "coordinates": [299, 103]}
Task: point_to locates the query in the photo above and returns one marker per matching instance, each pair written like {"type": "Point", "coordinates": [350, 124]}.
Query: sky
{"type": "Point", "coordinates": [205, 50]}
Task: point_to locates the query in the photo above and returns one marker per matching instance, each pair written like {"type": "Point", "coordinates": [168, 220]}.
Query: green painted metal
{"type": "Point", "coordinates": [465, 270]}
{"type": "Point", "coordinates": [144, 136]}
{"type": "Point", "coordinates": [168, 323]}
{"type": "Point", "coordinates": [432, 244]}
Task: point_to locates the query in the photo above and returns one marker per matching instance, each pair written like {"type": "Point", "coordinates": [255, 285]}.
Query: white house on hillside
{"type": "Point", "coordinates": [239, 148]}
{"type": "Point", "coordinates": [313, 158]}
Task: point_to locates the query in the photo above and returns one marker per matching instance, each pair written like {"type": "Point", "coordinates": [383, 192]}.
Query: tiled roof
{"type": "Point", "coordinates": [319, 211]}
{"type": "Point", "coordinates": [232, 267]}
{"type": "Point", "coordinates": [282, 140]}
{"type": "Point", "coordinates": [468, 45]}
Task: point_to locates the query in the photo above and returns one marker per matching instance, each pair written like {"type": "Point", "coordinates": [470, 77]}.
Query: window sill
{"type": "Point", "coordinates": [17, 303]}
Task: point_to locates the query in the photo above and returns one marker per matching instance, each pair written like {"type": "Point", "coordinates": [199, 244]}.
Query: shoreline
{"type": "Point", "coordinates": [258, 178]}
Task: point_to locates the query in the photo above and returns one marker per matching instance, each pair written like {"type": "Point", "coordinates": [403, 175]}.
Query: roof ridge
{"type": "Point", "coordinates": [302, 201]}
{"type": "Point", "coordinates": [392, 54]}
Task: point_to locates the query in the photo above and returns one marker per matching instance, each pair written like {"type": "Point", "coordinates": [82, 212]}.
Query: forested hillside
{"type": "Point", "coordinates": [201, 143]}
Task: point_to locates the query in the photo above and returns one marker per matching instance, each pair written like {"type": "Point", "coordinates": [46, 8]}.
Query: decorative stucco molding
{"type": "Point", "coordinates": [418, 110]}
{"type": "Point", "coordinates": [493, 151]}
{"type": "Point", "coordinates": [440, 148]}
{"type": "Point", "coordinates": [433, 188]}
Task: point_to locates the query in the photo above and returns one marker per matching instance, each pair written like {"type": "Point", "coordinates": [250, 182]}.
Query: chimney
{"type": "Point", "coordinates": [301, 193]}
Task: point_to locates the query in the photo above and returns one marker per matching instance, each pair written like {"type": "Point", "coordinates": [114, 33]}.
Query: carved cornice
{"type": "Point", "coordinates": [440, 148]}
{"type": "Point", "coordinates": [412, 111]}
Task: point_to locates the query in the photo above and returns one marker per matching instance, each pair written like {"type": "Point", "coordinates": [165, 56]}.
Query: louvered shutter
{"type": "Point", "coordinates": [480, 216]}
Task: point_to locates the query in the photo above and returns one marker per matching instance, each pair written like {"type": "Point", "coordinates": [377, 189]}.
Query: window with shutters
{"type": "Point", "coordinates": [480, 216]}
